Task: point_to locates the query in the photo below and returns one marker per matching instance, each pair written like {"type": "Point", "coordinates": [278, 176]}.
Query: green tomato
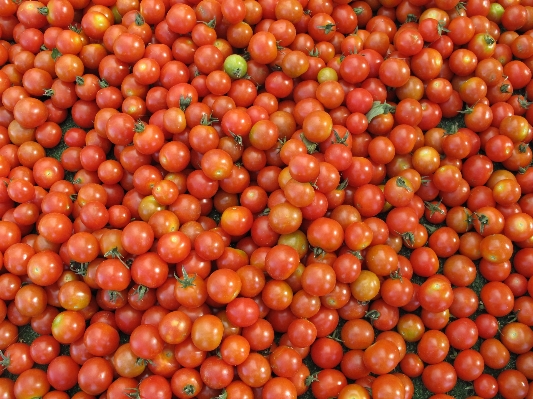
{"type": "Point", "coordinates": [235, 66]}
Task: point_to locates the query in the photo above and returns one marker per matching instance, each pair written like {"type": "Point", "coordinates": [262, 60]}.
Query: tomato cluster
{"type": "Point", "coordinates": [255, 190]}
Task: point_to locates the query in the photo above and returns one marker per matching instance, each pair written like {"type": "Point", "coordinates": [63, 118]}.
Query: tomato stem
{"type": "Point", "coordinates": [328, 28]}
{"type": "Point", "coordinates": [212, 24]}
{"type": "Point", "coordinates": [434, 207]}
{"type": "Point", "coordinates": [115, 254]}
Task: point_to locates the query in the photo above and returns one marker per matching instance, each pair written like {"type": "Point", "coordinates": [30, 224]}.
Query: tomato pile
{"type": "Point", "coordinates": [266, 199]}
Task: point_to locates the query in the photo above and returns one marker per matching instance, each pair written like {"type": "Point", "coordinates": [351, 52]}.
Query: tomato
{"type": "Point", "coordinates": [31, 382]}
{"type": "Point", "coordinates": [440, 377]}
{"type": "Point", "coordinates": [95, 375]}
{"type": "Point", "coordinates": [381, 357]}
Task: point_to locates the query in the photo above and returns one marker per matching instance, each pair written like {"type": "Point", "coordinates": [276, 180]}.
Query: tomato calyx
{"type": "Point", "coordinates": [114, 253]}
{"type": "Point", "coordinates": [79, 268]}
{"type": "Point", "coordinates": [140, 291]}
{"type": "Point", "coordinates": [339, 139]}
{"type": "Point", "coordinates": [522, 101]}
{"type": "Point", "coordinates": [357, 254]}
{"type": "Point", "coordinates": [328, 28]}
{"type": "Point", "coordinates": [522, 148]}
{"type": "Point", "coordinates": [55, 54]}
{"type": "Point", "coordinates": [236, 138]}
{"type": "Point", "coordinates": [6, 360]}
{"type": "Point", "coordinates": [489, 39]}
{"type": "Point", "coordinates": [43, 10]}
{"type": "Point", "coordinates": [103, 83]}
{"type": "Point", "coordinates": [373, 315]}
{"type": "Point", "coordinates": [408, 237]}
{"type": "Point", "coordinates": [185, 102]}
{"type": "Point", "coordinates": [411, 18]}
{"type": "Point", "coordinates": [114, 296]}
{"type": "Point", "coordinates": [139, 126]}
{"type": "Point", "coordinates": [212, 24]}
{"type": "Point", "coordinates": [265, 212]}
{"type": "Point", "coordinates": [310, 379]}
{"type": "Point", "coordinates": [140, 361]}
{"type": "Point", "coordinates": [441, 28]}
{"type": "Point", "coordinates": [314, 52]}
{"type": "Point", "coordinates": [431, 229]}
{"type": "Point", "coordinates": [79, 81]}
{"type": "Point", "coordinates": [358, 10]}
{"type": "Point", "coordinates": [133, 393]}
{"type": "Point", "coordinates": [342, 185]}
{"type": "Point", "coordinates": [139, 20]}
{"type": "Point", "coordinates": [466, 111]}
{"type": "Point", "coordinates": [460, 6]}
{"type": "Point", "coordinates": [397, 275]}
{"type": "Point", "coordinates": [48, 92]}
{"type": "Point", "coordinates": [434, 207]}
{"type": "Point", "coordinates": [505, 88]}
{"type": "Point", "coordinates": [379, 108]}
{"type": "Point", "coordinates": [522, 170]}
{"type": "Point", "coordinates": [223, 395]}
{"type": "Point", "coordinates": [311, 147]}
{"type": "Point", "coordinates": [190, 390]}
{"type": "Point", "coordinates": [74, 28]}
{"type": "Point", "coordinates": [318, 252]}
{"type": "Point", "coordinates": [207, 120]}
{"type": "Point", "coordinates": [186, 280]}
{"type": "Point", "coordinates": [483, 221]}
{"type": "Point", "coordinates": [402, 183]}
